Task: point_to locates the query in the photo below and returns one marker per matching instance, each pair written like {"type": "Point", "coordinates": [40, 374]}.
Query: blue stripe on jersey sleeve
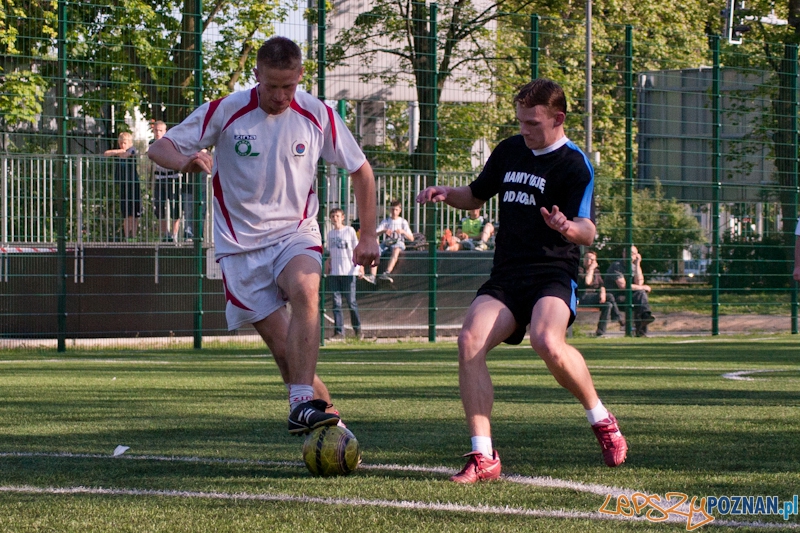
{"type": "Point", "coordinates": [585, 210]}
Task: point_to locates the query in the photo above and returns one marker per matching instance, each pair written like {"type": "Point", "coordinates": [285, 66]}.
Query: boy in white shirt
{"type": "Point", "coordinates": [395, 231]}
{"type": "Point", "coordinates": [342, 272]}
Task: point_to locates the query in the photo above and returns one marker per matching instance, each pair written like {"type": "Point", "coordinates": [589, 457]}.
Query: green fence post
{"type": "Point", "coordinates": [63, 148]}
{"type": "Point", "coordinates": [433, 210]}
{"type": "Point", "coordinates": [628, 81]}
{"type": "Point", "coordinates": [196, 217]}
{"type": "Point", "coordinates": [534, 47]}
{"type": "Point", "coordinates": [341, 108]}
{"type": "Point", "coordinates": [716, 155]}
{"type": "Point", "coordinates": [795, 149]}
{"type": "Point", "coordinates": [322, 178]}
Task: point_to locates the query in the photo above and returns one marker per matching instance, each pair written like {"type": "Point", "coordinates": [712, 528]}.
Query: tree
{"type": "Point", "coordinates": [662, 228]}
{"type": "Point", "coordinates": [21, 77]}
{"type": "Point", "coordinates": [141, 54]}
{"type": "Point", "coordinates": [403, 30]}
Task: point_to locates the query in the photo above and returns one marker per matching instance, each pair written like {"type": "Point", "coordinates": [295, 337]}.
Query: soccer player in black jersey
{"type": "Point", "coordinates": [545, 186]}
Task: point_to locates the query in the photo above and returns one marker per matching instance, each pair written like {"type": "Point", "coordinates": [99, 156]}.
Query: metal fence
{"type": "Point", "coordinates": [694, 141]}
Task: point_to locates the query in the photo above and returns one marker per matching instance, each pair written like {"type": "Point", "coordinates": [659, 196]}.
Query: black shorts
{"type": "Point", "coordinates": [520, 295]}
{"type": "Point", "coordinates": [130, 202]}
{"type": "Point", "coordinates": [166, 191]}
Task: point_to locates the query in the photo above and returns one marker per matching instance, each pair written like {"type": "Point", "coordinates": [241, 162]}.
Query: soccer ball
{"type": "Point", "coordinates": [331, 451]}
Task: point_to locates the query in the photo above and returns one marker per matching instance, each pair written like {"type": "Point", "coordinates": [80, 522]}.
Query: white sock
{"type": "Point", "coordinates": [597, 413]}
{"type": "Point", "coordinates": [483, 445]}
{"type": "Point", "coordinates": [299, 394]}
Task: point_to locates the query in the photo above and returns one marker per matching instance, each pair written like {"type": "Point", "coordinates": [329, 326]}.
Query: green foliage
{"type": "Point", "coordinates": [459, 126]}
{"type": "Point", "coordinates": [140, 55]}
{"type": "Point", "coordinates": [26, 32]}
{"type": "Point", "coordinates": [755, 263]}
{"type": "Point", "coordinates": [21, 97]}
{"type": "Point", "coordinates": [662, 227]}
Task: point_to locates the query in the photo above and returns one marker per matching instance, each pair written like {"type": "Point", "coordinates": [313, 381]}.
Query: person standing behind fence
{"type": "Point", "coordinates": [545, 189]}
{"type": "Point", "coordinates": [166, 192]}
{"type": "Point", "coordinates": [342, 273]}
{"type": "Point", "coordinates": [127, 179]}
{"type": "Point", "coordinates": [267, 143]}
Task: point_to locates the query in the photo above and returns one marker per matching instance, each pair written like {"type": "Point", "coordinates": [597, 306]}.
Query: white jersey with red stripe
{"type": "Point", "coordinates": [265, 166]}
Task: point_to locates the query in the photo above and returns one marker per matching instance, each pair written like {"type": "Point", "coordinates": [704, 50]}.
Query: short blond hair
{"type": "Point", "coordinates": [125, 135]}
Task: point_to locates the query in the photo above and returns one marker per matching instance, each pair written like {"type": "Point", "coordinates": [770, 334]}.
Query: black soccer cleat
{"type": "Point", "coordinates": [310, 415]}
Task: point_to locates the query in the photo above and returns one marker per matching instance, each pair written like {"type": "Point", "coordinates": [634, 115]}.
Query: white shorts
{"type": "Point", "coordinates": [250, 278]}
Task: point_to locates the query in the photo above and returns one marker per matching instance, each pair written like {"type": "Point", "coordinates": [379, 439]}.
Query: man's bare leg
{"type": "Point", "coordinates": [299, 281]}
{"type": "Point", "coordinates": [487, 324]}
{"type": "Point", "coordinates": [273, 330]}
{"type": "Point", "coordinates": [548, 338]}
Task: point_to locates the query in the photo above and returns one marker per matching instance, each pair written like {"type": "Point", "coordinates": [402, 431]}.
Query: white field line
{"type": "Point", "coordinates": [743, 375]}
{"type": "Point", "coordinates": [707, 340]}
{"type": "Point", "coordinates": [360, 502]}
{"type": "Point", "coordinates": [548, 482]}
{"type": "Point", "coordinates": [239, 496]}
{"type": "Point", "coordinates": [545, 482]}
{"type": "Point", "coordinates": [266, 358]}
{"type": "Point", "coordinates": [739, 375]}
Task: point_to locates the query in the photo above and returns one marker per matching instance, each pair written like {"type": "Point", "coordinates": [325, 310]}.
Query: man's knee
{"type": "Point", "coordinates": [470, 345]}
{"type": "Point", "coordinates": [548, 345]}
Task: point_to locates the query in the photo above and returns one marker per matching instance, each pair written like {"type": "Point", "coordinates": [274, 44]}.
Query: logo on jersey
{"type": "Point", "coordinates": [299, 148]}
{"type": "Point", "coordinates": [243, 146]}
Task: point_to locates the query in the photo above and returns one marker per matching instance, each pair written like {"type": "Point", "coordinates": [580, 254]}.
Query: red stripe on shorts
{"type": "Point", "coordinates": [231, 298]}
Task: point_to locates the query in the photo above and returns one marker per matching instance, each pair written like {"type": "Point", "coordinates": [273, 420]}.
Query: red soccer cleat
{"type": "Point", "coordinates": [615, 447]}
{"type": "Point", "coordinates": [478, 468]}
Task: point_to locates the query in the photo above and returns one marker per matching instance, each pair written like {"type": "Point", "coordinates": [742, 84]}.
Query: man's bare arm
{"type": "Point", "coordinates": [366, 252]}
{"type": "Point", "coordinates": [166, 155]}
{"type": "Point", "coordinates": [577, 231]}
{"type": "Point", "coordinates": [458, 197]}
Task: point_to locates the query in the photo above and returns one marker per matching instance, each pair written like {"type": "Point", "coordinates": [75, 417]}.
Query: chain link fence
{"type": "Point", "coordinates": [694, 142]}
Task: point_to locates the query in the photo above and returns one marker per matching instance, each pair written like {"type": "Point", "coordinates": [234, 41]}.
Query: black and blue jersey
{"type": "Point", "coordinates": [524, 182]}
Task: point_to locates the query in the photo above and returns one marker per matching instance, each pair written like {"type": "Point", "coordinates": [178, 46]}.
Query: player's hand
{"type": "Point", "coordinates": [367, 253]}
{"type": "Point", "coordinates": [555, 219]}
{"type": "Point", "coordinates": [432, 194]}
{"type": "Point", "coordinates": [198, 162]}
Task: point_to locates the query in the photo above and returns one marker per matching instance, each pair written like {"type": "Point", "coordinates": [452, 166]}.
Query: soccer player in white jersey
{"type": "Point", "coordinates": [267, 141]}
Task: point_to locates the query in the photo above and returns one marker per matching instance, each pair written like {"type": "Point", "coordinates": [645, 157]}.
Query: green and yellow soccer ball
{"type": "Point", "coordinates": [331, 451]}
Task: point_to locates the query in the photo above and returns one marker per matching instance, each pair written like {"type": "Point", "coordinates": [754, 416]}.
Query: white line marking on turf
{"type": "Point", "coordinates": [546, 482]}
{"type": "Point", "coordinates": [743, 375]}
{"type": "Point", "coordinates": [539, 481]}
{"type": "Point", "coordinates": [398, 504]}
{"type": "Point", "coordinates": [695, 341]}
{"type": "Point", "coordinates": [359, 502]}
